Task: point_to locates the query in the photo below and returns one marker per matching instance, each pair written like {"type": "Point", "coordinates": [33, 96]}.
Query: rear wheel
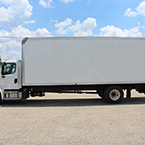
{"type": "Point", "coordinates": [113, 94]}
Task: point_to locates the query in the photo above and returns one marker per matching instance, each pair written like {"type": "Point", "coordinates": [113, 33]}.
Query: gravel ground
{"type": "Point", "coordinates": [70, 119]}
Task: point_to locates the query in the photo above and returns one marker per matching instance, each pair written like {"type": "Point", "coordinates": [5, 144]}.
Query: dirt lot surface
{"type": "Point", "coordinates": [70, 119]}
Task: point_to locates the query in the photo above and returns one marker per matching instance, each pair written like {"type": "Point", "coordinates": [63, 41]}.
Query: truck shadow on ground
{"type": "Point", "coordinates": [70, 102]}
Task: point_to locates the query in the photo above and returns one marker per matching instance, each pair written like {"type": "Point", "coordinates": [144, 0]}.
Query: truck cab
{"type": "Point", "coordinates": [11, 80]}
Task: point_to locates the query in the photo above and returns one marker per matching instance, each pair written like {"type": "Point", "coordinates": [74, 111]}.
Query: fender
{"type": "Point", "coordinates": [2, 93]}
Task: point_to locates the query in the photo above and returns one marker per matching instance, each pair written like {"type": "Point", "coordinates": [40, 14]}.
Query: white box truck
{"type": "Point", "coordinates": [108, 65]}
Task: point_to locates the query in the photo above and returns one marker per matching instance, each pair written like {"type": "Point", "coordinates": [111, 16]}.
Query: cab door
{"type": "Point", "coordinates": [11, 75]}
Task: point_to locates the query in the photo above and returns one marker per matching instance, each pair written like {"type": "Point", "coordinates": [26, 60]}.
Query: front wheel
{"type": "Point", "coordinates": [113, 94]}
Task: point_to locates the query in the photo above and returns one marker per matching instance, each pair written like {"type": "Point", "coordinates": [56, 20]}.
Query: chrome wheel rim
{"type": "Point", "coordinates": [114, 95]}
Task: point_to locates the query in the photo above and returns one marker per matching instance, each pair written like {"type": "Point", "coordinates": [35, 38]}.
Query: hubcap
{"type": "Point", "coordinates": [114, 95]}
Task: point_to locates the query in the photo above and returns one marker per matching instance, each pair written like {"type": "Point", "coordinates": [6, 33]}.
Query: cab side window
{"type": "Point", "coordinates": [9, 68]}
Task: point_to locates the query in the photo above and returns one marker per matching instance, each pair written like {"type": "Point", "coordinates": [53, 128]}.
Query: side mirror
{"type": "Point", "coordinates": [2, 72]}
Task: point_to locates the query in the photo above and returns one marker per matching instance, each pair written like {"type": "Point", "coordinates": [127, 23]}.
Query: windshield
{"type": "Point", "coordinates": [8, 68]}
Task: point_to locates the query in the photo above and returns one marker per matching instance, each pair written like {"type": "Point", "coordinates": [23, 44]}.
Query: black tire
{"type": "Point", "coordinates": [113, 94]}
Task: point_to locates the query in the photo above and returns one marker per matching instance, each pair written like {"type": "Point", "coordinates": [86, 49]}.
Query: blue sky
{"type": "Point", "coordinates": [46, 18]}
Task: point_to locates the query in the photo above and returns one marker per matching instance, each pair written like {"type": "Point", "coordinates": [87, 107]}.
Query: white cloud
{"type": "Point", "coordinates": [84, 28]}
{"type": "Point", "coordinates": [10, 45]}
{"type": "Point", "coordinates": [10, 55]}
{"type": "Point", "coordinates": [23, 32]}
{"type": "Point", "coordinates": [41, 33]}
{"type": "Point", "coordinates": [67, 22]}
{"type": "Point", "coordinates": [87, 24]}
{"type": "Point", "coordinates": [12, 12]}
{"type": "Point", "coordinates": [140, 10]}
{"type": "Point", "coordinates": [130, 13]}
{"type": "Point", "coordinates": [67, 1]}
{"type": "Point", "coordinates": [47, 3]}
{"type": "Point", "coordinates": [14, 55]}
{"type": "Point", "coordinates": [139, 23]}
{"type": "Point", "coordinates": [79, 29]}
{"type": "Point", "coordinates": [61, 26]}
{"type": "Point", "coordinates": [30, 22]}
{"type": "Point", "coordinates": [50, 3]}
{"type": "Point", "coordinates": [61, 31]}
{"type": "Point", "coordinates": [114, 31]}
{"type": "Point", "coordinates": [84, 33]}
{"type": "Point", "coordinates": [4, 33]}
{"type": "Point", "coordinates": [14, 44]}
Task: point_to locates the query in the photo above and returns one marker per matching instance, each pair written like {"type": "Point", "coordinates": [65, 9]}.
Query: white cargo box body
{"type": "Point", "coordinates": [85, 61]}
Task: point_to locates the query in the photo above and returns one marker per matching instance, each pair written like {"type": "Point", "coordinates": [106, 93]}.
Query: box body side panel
{"type": "Point", "coordinates": [67, 61]}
